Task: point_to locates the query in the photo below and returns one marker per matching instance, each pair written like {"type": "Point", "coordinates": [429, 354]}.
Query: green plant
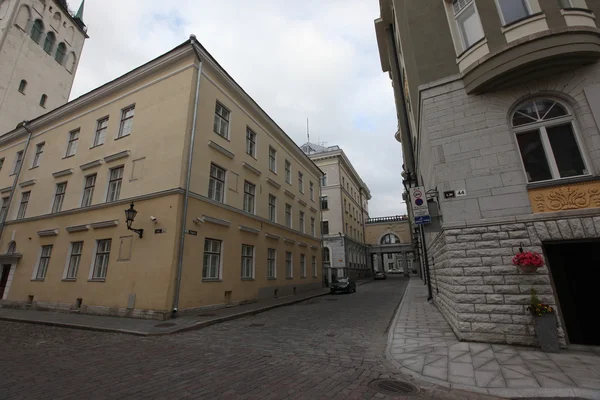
{"type": "Point", "coordinates": [536, 307]}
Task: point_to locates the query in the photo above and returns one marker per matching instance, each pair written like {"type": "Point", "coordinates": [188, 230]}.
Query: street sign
{"type": "Point", "coordinates": [420, 209]}
{"type": "Point", "coordinates": [162, 230]}
{"type": "Point", "coordinates": [461, 192]}
{"type": "Point", "coordinates": [191, 232]}
{"type": "Point", "coordinates": [450, 194]}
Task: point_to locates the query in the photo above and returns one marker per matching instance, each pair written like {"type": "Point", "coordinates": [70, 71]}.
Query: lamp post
{"type": "Point", "coordinates": [130, 214]}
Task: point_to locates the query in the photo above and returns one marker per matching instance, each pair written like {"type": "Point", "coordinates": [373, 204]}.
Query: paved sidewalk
{"type": "Point", "coordinates": [423, 345]}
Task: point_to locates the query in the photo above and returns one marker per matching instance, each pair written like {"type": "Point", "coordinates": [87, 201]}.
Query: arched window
{"type": "Point", "coordinates": [12, 247]}
{"type": "Point", "coordinates": [43, 100]}
{"type": "Point", "coordinates": [61, 52]}
{"type": "Point", "coordinates": [71, 61]}
{"type": "Point", "coordinates": [390, 238]}
{"type": "Point", "coordinates": [22, 86]}
{"type": "Point", "coordinates": [36, 30]}
{"type": "Point", "coordinates": [547, 141]}
{"type": "Point", "coordinates": [49, 43]}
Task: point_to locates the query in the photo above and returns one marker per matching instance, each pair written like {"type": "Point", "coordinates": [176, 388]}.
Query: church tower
{"type": "Point", "coordinates": [40, 47]}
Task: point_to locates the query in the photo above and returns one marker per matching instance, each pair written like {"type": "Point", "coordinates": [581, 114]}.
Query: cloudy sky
{"type": "Point", "coordinates": [313, 59]}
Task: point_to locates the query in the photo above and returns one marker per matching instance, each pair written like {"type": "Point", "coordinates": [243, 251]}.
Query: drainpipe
{"type": "Point", "coordinates": [18, 174]}
{"type": "Point", "coordinates": [186, 197]}
{"type": "Point", "coordinates": [362, 220]}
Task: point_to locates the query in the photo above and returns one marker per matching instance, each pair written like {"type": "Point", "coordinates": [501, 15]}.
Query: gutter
{"type": "Point", "coordinates": [186, 197]}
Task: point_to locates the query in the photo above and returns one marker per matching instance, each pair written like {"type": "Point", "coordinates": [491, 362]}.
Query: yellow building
{"type": "Point", "coordinates": [221, 223]}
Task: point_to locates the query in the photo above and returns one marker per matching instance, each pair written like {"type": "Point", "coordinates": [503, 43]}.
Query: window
{"type": "Point", "coordinates": [565, 3]}
{"type": "Point", "coordinates": [346, 231]}
{"type": "Point", "coordinates": [221, 125]}
{"type": "Point", "coordinates": [302, 265]}
{"type": "Point", "coordinates": [272, 159]}
{"type": "Point", "coordinates": [324, 203]}
{"type": "Point", "coordinates": [301, 218]}
{"type": "Point", "coordinates": [59, 197]}
{"type": "Point", "coordinates": [247, 261]}
{"type": "Point", "coordinates": [346, 206]}
{"type": "Point", "coordinates": [326, 256]}
{"type": "Point", "coordinates": [288, 215]}
{"type": "Point", "coordinates": [23, 205]}
{"type": "Point", "coordinates": [343, 181]}
{"type": "Point", "coordinates": [44, 261]}
{"type": "Point", "coordinates": [18, 162]}
{"type": "Point", "coordinates": [513, 10]}
{"type": "Point", "coordinates": [289, 268]}
{"type": "Point", "coordinates": [73, 143]}
{"type": "Point", "coordinates": [249, 193]}
{"type": "Point", "coordinates": [3, 209]}
{"type": "Point", "coordinates": [288, 172]}
{"type": "Point", "coordinates": [36, 30]}
{"type": "Point", "coordinates": [49, 42]}
{"type": "Point", "coordinates": [126, 121]}
{"type": "Point", "coordinates": [212, 259]}
{"type": "Point", "coordinates": [61, 52]}
{"type": "Point", "coordinates": [390, 238]}
{"type": "Point", "coordinates": [312, 227]}
{"type": "Point", "coordinates": [216, 184]}
{"type": "Point", "coordinates": [547, 141]}
{"type": "Point", "coordinates": [1, 163]}
{"type": "Point", "coordinates": [314, 266]}
{"type": "Point", "coordinates": [22, 86]}
{"type": "Point", "coordinates": [250, 142]}
{"type": "Point", "coordinates": [100, 132]}
{"type": "Point", "coordinates": [114, 184]}
{"type": "Point", "coordinates": [74, 260]}
{"type": "Point", "coordinates": [300, 182]}
{"type": "Point", "coordinates": [468, 23]}
{"type": "Point", "coordinates": [88, 190]}
{"type": "Point", "coordinates": [101, 259]}
{"type": "Point", "coordinates": [324, 180]}
{"type": "Point", "coordinates": [43, 100]}
{"type": "Point", "coordinates": [271, 264]}
{"type": "Point", "coordinates": [39, 150]}
{"type": "Point", "coordinates": [272, 208]}
{"type": "Point", "coordinates": [311, 190]}
{"type": "Point", "coordinates": [325, 227]}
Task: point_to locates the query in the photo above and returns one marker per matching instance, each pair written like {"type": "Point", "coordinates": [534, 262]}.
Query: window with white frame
{"type": "Point", "coordinates": [289, 268]}
{"type": "Point", "coordinates": [1, 163]}
{"type": "Point", "coordinates": [324, 203]}
{"type": "Point", "coordinates": [59, 197]}
{"type": "Point", "coordinates": [288, 215]}
{"type": "Point", "coordinates": [126, 122]}
{"type": "Point", "coordinates": [271, 263]}
{"type": "Point", "coordinates": [548, 141]}
{"type": "Point", "coordinates": [272, 208]}
{"type": "Point", "coordinates": [3, 209]}
{"type": "Point", "coordinates": [303, 265]}
{"type": "Point", "coordinates": [43, 262]}
{"type": "Point", "coordinates": [311, 189]}
{"type": "Point", "coordinates": [100, 134]}
{"type": "Point", "coordinates": [300, 182]}
{"type": "Point", "coordinates": [301, 219]}
{"type": "Point", "coordinates": [74, 260]}
{"type": "Point", "coordinates": [288, 172]}
{"type": "Point", "coordinates": [88, 190]}
{"type": "Point", "coordinates": [247, 261]}
{"type": "Point", "coordinates": [272, 159]}
{"type": "Point", "coordinates": [312, 226]}
{"type": "Point", "coordinates": [325, 227]}
{"type": "Point", "coordinates": [73, 143]}
{"type": "Point", "coordinates": [39, 150]}
{"type": "Point", "coordinates": [324, 180]}
{"type": "Point", "coordinates": [18, 161]}
{"type": "Point", "coordinates": [468, 23]}
{"type": "Point", "coordinates": [216, 183]}
{"type": "Point", "coordinates": [250, 142]}
{"type": "Point", "coordinates": [314, 266]}
{"type": "Point", "coordinates": [23, 205]}
{"type": "Point", "coordinates": [114, 184]}
{"type": "Point", "coordinates": [212, 259]}
{"type": "Point", "coordinates": [221, 125]}
{"type": "Point", "coordinates": [249, 194]}
{"type": "Point", "coordinates": [513, 10]}
{"type": "Point", "coordinates": [101, 259]}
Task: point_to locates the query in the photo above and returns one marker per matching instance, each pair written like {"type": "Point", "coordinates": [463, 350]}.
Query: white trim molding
{"type": "Point", "coordinates": [91, 164]}
{"type": "Point", "coordinates": [216, 221]}
{"type": "Point", "coordinates": [251, 169]}
{"type": "Point", "coordinates": [104, 224]}
{"type": "Point", "coordinates": [117, 156]}
{"type": "Point", "coordinates": [48, 232]}
{"type": "Point", "coordinates": [64, 172]}
{"type": "Point", "coordinates": [28, 183]}
{"type": "Point", "coordinates": [221, 149]}
{"type": "Point", "coordinates": [249, 230]}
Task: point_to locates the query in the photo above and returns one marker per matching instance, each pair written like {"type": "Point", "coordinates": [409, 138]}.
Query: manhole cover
{"type": "Point", "coordinates": [165, 325]}
{"type": "Point", "coordinates": [207, 315]}
{"type": "Point", "coordinates": [256, 325]}
{"type": "Point", "coordinates": [394, 388]}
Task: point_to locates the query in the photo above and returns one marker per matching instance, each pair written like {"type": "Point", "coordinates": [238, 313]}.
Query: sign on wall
{"type": "Point", "coordinates": [420, 210]}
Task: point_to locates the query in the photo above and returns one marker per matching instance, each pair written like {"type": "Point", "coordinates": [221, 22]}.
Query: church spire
{"type": "Point", "coordinates": [79, 14]}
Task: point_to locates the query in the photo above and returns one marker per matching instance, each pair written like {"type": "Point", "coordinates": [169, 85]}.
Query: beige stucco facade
{"type": "Point", "coordinates": [141, 274]}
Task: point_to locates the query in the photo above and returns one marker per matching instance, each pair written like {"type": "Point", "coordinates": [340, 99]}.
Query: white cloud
{"type": "Point", "coordinates": [314, 59]}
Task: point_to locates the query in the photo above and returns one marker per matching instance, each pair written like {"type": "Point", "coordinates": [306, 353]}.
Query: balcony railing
{"type": "Point", "coordinates": [395, 218]}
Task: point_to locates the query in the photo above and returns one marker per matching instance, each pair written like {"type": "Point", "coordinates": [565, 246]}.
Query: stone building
{"type": "Point", "coordinates": [181, 143]}
{"type": "Point", "coordinates": [345, 208]}
{"type": "Point", "coordinates": [498, 107]}
{"type": "Point", "coordinates": [389, 244]}
{"type": "Point", "coordinates": [40, 46]}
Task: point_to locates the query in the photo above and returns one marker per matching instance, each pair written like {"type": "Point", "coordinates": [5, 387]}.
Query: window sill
{"type": "Point", "coordinates": [519, 21]}
{"type": "Point", "coordinates": [471, 47]}
{"type": "Point", "coordinates": [98, 145]}
{"type": "Point", "coordinates": [221, 136]}
{"type": "Point", "coordinates": [563, 181]}
{"type": "Point", "coordinates": [72, 155]}
{"type": "Point", "coordinates": [289, 278]}
{"type": "Point", "coordinates": [97, 280]}
{"type": "Point", "coordinates": [271, 279]}
{"type": "Point", "coordinates": [69, 280]}
{"type": "Point", "coordinates": [38, 280]}
{"type": "Point", "coordinates": [122, 137]}
{"type": "Point", "coordinates": [584, 10]}
{"type": "Point", "coordinates": [247, 279]}
{"type": "Point", "coordinates": [274, 172]}
{"type": "Point", "coordinates": [253, 157]}
{"type": "Point", "coordinates": [34, 167]}
{"type": "Point", "coordinates": [211, 280]}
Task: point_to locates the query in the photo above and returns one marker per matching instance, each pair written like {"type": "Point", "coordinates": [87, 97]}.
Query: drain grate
{"type": "Point", "coordinates": [207, 315]}
{"type": "Point", "coordinates": [165, 325]}
{"type": "Point", "coordinates": [255, 325]}
{"type": "Point", "coordinates": [394, 388]}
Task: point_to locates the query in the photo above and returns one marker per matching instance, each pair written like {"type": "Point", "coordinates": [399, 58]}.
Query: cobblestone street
{"type": "Point", "coordinates": [327, 347]}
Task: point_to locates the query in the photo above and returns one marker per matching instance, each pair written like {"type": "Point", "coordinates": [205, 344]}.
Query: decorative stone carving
{"type": "Point", "coordinates": [566, 197]}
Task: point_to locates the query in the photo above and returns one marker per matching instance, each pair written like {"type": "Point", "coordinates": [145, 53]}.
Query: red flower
{"type": "Point", "coordinates": [528, 258]}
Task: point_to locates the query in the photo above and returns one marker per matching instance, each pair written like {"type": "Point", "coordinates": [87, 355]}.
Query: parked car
{"type": "Point", "coordinates": [346, 285]}
{"type": "Point", "coordinates": [379, 275]}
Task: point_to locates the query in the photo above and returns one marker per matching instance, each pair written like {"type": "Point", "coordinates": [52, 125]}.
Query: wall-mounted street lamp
{"type": "Point", "coordinates": [130, 217]}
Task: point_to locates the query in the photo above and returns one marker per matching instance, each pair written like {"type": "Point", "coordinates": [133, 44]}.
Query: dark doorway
{"type": "Point", "coordinates": [4, 279]}
{"type": "Point", "coordinates": [575, 268]}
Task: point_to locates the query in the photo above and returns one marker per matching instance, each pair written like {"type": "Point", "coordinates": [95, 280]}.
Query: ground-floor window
{"type": "Point", "coordinates": [303, 265]}
{"type": "Point", "coordinates": [43, 262]}
{"type": "Point", "coordinates": [212, 259]}
{"type": "Point", "coordinates": [101, 260]}
{"type": "Point", "coordinates": [289, 271]}
{"type": "Point", "coordinates": [247, 261]}
{"type": "Point", "coordinates": [314, 266]}
{"type": "Point", "coordinates": [271, 263]}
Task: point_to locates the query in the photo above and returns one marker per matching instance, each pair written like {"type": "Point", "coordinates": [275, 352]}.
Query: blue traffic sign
{"type": "Point", "coordinates": [425, 219]}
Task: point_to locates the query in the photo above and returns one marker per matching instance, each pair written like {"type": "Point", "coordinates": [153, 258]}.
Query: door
{"type": "Point", "coordinates": [4, 279]}
{"type": "Point", "coordinates": [575, 268]}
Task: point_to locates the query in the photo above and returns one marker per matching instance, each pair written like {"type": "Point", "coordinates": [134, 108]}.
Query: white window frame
{"type": "Point", "coordinates": [72, 143]}
{"type": "Point", "coordinates": [87, 188]}
{"type": "Point", "coordinates": [323, 226]}
{"type": "Point", "coordinates": [39, 150]}
{"type": "Point", "coordinates": [272, 159]}
{"type": "Point", "coordinates": [288, 215]}
{"type": "Point", "coordinates": [69, 274]}
{"type": "Point", "coordinates": [4, 209]}
{"type": "Point", "coordinates": [324, 180]}
{"type": "Point", "coordinates": [100, 133]}
{"type": "Point", "coordinates": [222, 119]}
{"type": "Point", "coordinates": [36, 273]}
{"type": "Point", "coordinates": [219, 256]}
{"type": "Point", "coordinates": [456, 16]}
{"type": "Point", "coordinates": [23, 205]}
{"type": "Point", "coordinates": [248, 259]}
{"type": "Point", "coordinates": [311, 190]}
{"type": "Point", "coordinates": [288, 172]}
{"type": "Point", "coordinates": [214, 181]}
{"type": "Point", "coordinates": [302, 265]}
{"type": "Point", "coordinates": [313, 227]}
{"type": "Point", "coordinates": [18, 162]}
{"type": "Point", "coordinates": [272, 208]}
{"type": "Point", "coordinates": [499, 8]}
{"type": "Point", "coordinates": [300, 182]}
{"type": "Point", "coordinates": [289, 265]}
{"type": "Point", "coordinates": [126, 120]}
{"type": "Point", "coordinates": [251, 142]}
{"type": "Point", "coordinates": [301, 221]}
{"type": "Point", "coordinates": [315, 268]}
{"type": "Point", "coordinates": [326, 200]}
{"type": "Point", "coordinates": [249, 197]}
{"type": "Point", "coordinates": [59, 197]}
{"type": "Point", "coordinates": [272, 260]}
{"type": "Point", "coordinates": [118, 183]}
{"type": "Point", "coordinates": [94, 267]}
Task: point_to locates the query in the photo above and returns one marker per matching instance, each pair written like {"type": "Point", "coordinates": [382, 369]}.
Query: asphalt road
{"type": "Point", "coordinates": [329, 347]}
